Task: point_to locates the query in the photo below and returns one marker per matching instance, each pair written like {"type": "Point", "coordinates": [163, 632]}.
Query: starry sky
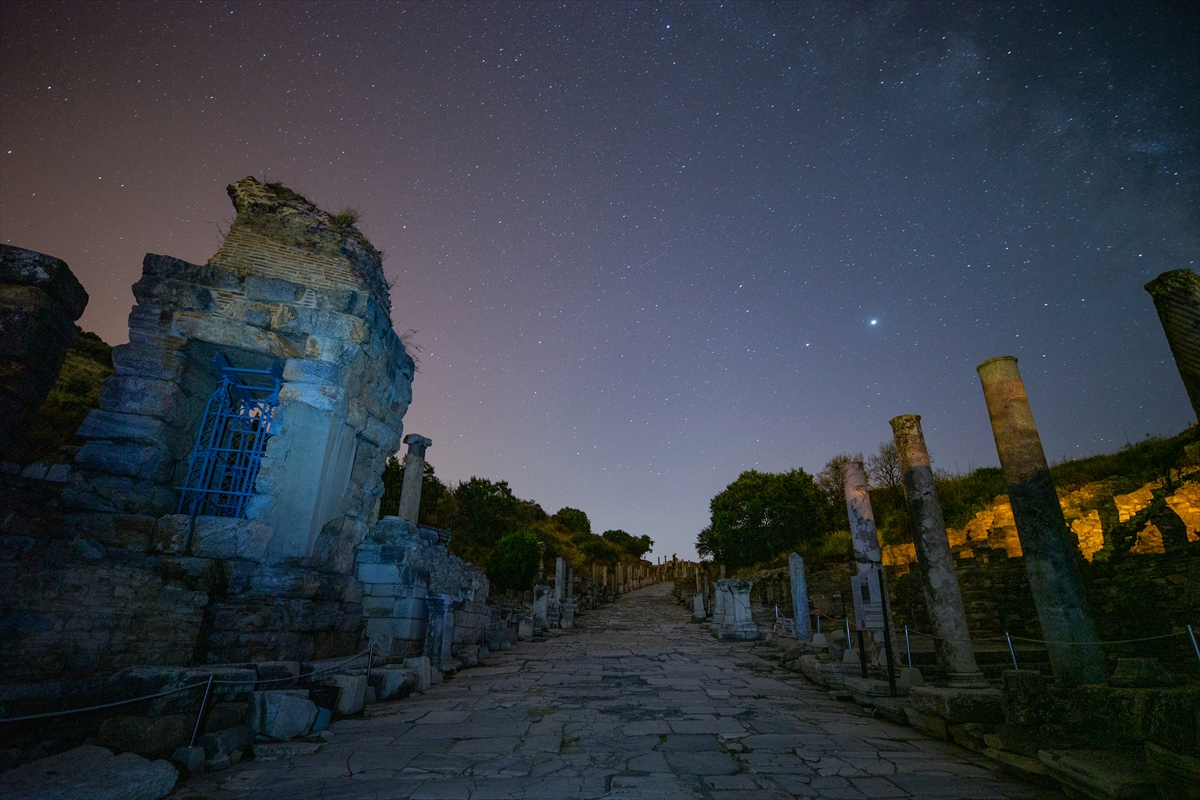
{"type": "Point", "coordinates": [646, 246]}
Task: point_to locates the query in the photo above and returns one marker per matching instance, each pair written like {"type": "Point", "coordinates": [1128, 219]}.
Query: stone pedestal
{"type": "Point", "coordinates": [1177, 299]}
{"type": "Point", "coordinates": [541, 603]}
{"type": "Point", "coordinates": [939, 580]}
{"type": "Point", "coordinates": [1049, 548]}
{"type": "Point", "coordinates": [414, 468]}
{"type": "Point", "coordinates": [720, 605]}
{"type": "Point", "coordinates": [738, 623]}
{"type": "Point", "coordinates": [698, 613]}
{"type": "Point", "coordinates": [567, 621]}
{"type": "Point", "coordinates": [801, 619]}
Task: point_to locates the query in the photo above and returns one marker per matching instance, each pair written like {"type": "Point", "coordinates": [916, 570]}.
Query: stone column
{"type": "Point", "coordinates": [1049, 550]}
{"type": "Point", "coordinates": [934, 559]}
{"type": "Point", "coordinates": [1177, 299]}
{"type": "Point", "coordinates": [559, 565]}
{"type": "Point", "coordinates": [867, 554]}
{"type": "Point", "coordinates": [719, 596]}
{"type": "Point", "coordinates": [414, 466]}
{"type": "Point", "coordinates": [801, 620]}
{"type": "Point", "coordinates": [568, 611]}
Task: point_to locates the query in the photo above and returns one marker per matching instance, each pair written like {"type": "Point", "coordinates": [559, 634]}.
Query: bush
{"type": "Point", "coordinates": [513, 564]}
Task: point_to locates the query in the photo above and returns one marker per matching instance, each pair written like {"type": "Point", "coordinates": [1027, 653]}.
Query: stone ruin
{"type": "Point", "coordinates": [40, 299]}
{"type": "Point", "coordinates": [224, 506]}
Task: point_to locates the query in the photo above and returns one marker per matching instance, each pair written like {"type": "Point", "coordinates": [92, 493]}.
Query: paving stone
{"type": "Point", "coordinates": [633, 702]}
{"type": "Point", "coordinates": [89, 773]}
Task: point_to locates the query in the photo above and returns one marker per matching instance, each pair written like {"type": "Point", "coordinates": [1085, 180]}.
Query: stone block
{"type": "Point", "coordinates": [276, 675]}
{"type": "Point", "coordinates": [282, 714]}
{"type": "Point", "coordinates": [422, 669]}
{"type": "Point", "coordinates": [958, 705]}
{"type": "Point", "coordinates": [1141, 673]}
{"type": "Point", "coordinates": [90, 772]}
{"type": "Point", "coordinates": [1026, 698]}
{"type": "Point", "coordinates": [148, 361]}
{"type": "Point", "coordinates": [153, 292]}
{"type": "Point", "coordinates": [224, 715]}
{"type": "Point", "coordinates": [189, 760]}
{"type": "Point", "coordinates": [389, 682]}
{"type": "Point", "coordinates": [1176, 774]}
{"type": "Point", "coordinates": [1020, 765]}
{"type": "Point", "coordinates": [1029, 739]}
{"type": "Point", "coordinates": [58, 473]}
{"type": "Point", "coordinates": [171, 534]}
{"type": "Point", "coordinates": [228, 537]}
{"type": "Point", "coordinates": [178, 269]}
{"type": "Point", "coordinates": [379, 573]}
{"type": "Point", "coordinates": [968, 734]}
{"type": "Point", "coordinates": [927, 723]}
{"type": "Point", "coordinates": [1099, 773]}
{"type": "Point", "coordinates": [100, 424]}
{"type": "Point", "coordinates": [272, 290]}
{"type": "Point", "coordinates": [227, 741]}
{"type": "Point", "coordinates": [21, 267]}
{"type": "Point", "coordinates": [146, 736]}
{"type": "Point", "coordinates": [374, 606]}
{"type": "Point", "coordinates": [353, 691]}
{"type": "Point", "coordinates": [151, 462]}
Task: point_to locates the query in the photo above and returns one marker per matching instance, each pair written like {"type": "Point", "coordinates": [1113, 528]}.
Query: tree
{"type": "Point", "coordinates": [635, 546]}
{"type": "Point", "coordinates": [761, 515]}
{"type": "Point", "coordinates": [884, 468]}
{"type": "Point", "coordinates": [513, 564]}
{"type": "Point", "coordinates": [573, 520]}
{"type": "Point", "coordinates": [485, 513]}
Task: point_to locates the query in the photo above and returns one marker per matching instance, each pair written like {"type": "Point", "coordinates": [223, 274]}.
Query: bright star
{"type": "Point", "coordinates": [874, 321]}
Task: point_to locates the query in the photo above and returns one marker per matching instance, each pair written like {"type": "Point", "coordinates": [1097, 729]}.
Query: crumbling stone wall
{"type": "Point", "coordinates": [1139, 553]}
{"type": "Point", "coordinates": [290, 287]}
{"type": "Point", "coordinates": [40, 299]}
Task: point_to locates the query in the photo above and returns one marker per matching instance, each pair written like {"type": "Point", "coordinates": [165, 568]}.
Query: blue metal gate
{"type": "Point", "coordinates": [230, 443]}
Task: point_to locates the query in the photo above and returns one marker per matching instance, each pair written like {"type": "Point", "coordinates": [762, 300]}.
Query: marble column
{"type": "Point", "coordinates": [559, 565]}
{"type": "Point", "coordinates": [1177, 299]}
{"type": "Point", "coordinates": [414, 467]}
{"type": "Point", "coordinates": [541, 596]}
{"type": "Point", "coordinates": [867, 554]}
{"type": "Point", "coordinates": [801, 620]}
{"type": "Point", "coordinates": [935, 562]}
{"type": "Point", "coordinates": [1050, 551]}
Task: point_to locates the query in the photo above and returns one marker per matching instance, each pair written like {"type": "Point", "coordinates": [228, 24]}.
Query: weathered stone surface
{"type": "Point", "coordinates": [39, 302]}
{"type": "Point", "coordinates": [1175, 773]}
{"type": "Point", "coordinates": [189, 760]}
{"type": "Point", "coordinates": [388, 681]}
{"type": "Point", "coordinates": [1097, 773]}
{"type": "Point", "coordinates": [228, 537]}
{"type": "Point", "coordinates": [282, 714]}
{"type": "Point", "coordinates": [227, 741]}
{"type": "Point", "coordinates": [421, 667]}
{"type": "Point", "coordinates": [146, 736]}
{"type": "Point", "coordinates": [1141, 673]}
{"type": "Point", "coordinates": [353, 691]}
{"type": "Point", "coordinates": [276, 675]}
{"type": "Point", "coordinates": [89, 773]}
{"type": "Point", "coordinates": [958, 705]}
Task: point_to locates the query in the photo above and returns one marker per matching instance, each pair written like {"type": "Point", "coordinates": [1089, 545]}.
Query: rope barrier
{"type": "Point", "coordinates": [180, 689]}
{"type": "Point", "coordinates": [1049, 641]}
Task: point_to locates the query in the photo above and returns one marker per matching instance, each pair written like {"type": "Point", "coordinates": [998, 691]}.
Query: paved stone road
{"type": "Point", "coordinates": [635, 703]}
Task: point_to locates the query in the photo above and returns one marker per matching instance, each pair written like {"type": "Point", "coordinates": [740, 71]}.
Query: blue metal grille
{"type": "Point", "coordinates": [231, 440]}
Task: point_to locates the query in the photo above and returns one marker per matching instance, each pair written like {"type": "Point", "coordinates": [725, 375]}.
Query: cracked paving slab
{"type": "Point", "coordinates": [635, 702]}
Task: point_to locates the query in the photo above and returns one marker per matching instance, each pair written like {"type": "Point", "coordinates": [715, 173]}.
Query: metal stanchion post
{"type": "Point", "coordinates": [907, 645]}
{"type": "Point", "coordinates": [200, 716]}
{"type": "Point", "coordinates": [1011, 652]}
{"type": "Point", "coordinates": [1195, 646]}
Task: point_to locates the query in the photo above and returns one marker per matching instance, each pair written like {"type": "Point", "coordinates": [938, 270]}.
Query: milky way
{"type": "Point", "coordinates": [646, 247]}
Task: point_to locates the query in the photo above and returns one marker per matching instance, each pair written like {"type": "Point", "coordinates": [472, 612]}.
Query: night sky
{"type": "Point", "coordinates": [647, 247]}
